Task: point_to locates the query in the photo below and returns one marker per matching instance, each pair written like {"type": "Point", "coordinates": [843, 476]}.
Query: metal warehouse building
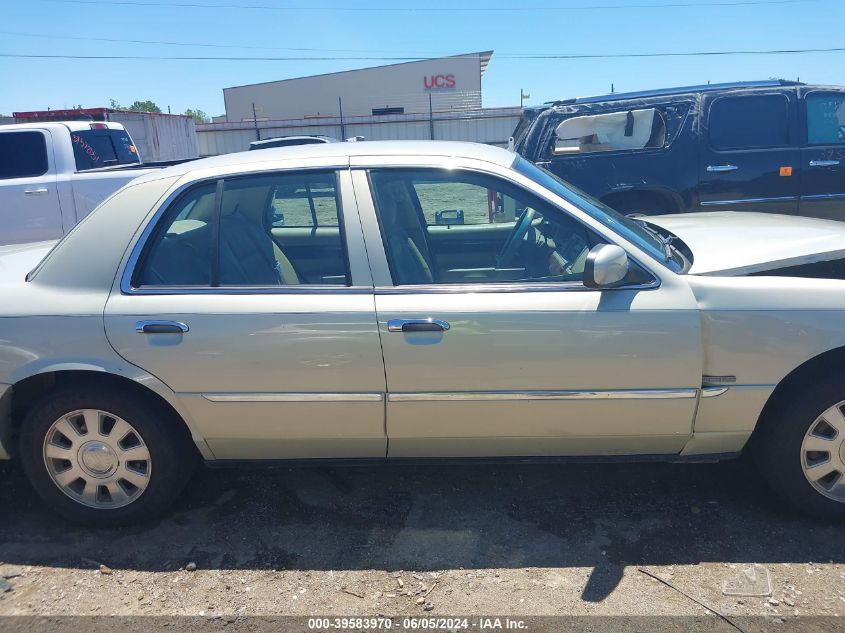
{"type": "Point", "coordinates": [441, 84]}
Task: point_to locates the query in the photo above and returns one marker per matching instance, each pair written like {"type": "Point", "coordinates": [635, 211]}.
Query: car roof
{"type": "Point", "coordinates": [317, 138]}
{"type": "Point", "coordinates": [343, 152]}
{"type": "Point", "coordinates": [73, 126]}
{"type": "Point", "coordinates": [660, 92]}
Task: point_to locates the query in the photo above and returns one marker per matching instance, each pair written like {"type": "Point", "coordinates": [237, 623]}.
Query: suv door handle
{"type": "Point", "coordinates": [721, 168]}
{"type": "Point", "coordinates": [161, 327]}
{"type": "Point", "coordinates": [417, 325]}
{"type": "Point", "coordinates": [36, 192]}
{"type": "Point", "coordinates": [824, 163]}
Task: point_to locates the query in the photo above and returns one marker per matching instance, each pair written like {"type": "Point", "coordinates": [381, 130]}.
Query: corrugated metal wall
{"type": "Point", "coordinates": [489, 125]}
{"type": "Point", "coordinates": [160, 137]}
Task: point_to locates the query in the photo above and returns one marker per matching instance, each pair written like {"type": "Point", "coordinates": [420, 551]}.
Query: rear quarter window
{"type": "Point", "coordinates": [663, 123]}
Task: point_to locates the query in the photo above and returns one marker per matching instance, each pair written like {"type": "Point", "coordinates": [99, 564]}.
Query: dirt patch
{"type": "Point", "coordinates": [514, 539]}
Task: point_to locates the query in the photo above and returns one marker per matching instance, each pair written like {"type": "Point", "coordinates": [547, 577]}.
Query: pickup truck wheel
{"type": "Point", "coordinates": [104, 457]}
{"type": "Point", "coordinates": [801, 450]}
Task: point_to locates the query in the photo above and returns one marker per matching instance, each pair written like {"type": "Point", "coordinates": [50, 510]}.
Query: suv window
{"type": "Point", "coordinates": [249, 250]}
{"type": "Point", "coordinates": [826, 118]}
{"type": "Point", "coordinates": [749, 121]}
{"type": "Point", "coordinates": [496, 232]}
{"type": "Point", "coordinates": [22, 154]}
{"type": "Point", "coordinates": [102, 148]}
{"type": "Point", "coordinates": [612, 131]}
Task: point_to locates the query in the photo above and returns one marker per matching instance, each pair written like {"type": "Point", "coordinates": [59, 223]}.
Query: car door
{"type": "Point", "coordinates": [823, 156]}
{"type": "Point", "coordinates": [273, 356]}
{"type": "Point", "coordinates": [750, 159]}
{"type": "Point", "coordinates": [29, 199]}
{"type": "Point", "coordinates": [511, 354]}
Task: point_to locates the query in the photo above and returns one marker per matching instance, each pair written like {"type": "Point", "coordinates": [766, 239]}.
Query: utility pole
{"type": "Point", "coordinates": [342, 127]}
{"type": "Point", "coordinates": [255, 123]}
{"type": "Point", "coordinates": [522, 97]}
{"type": "Point", "coordinates": [430, 117]}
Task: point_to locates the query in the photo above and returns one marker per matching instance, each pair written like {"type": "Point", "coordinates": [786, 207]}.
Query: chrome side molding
{"type": "Point", "coordinates": [481, 396]}
{"type": "Point", "coordinates": [294, 397]}
{"type": "Point", "coordinates": [472, 396]}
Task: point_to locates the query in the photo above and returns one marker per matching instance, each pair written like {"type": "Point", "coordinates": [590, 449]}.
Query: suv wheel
{"type": "Point", "coordinates": [802, 450]}
{"type": "Point", "coordinates": [102, 456]}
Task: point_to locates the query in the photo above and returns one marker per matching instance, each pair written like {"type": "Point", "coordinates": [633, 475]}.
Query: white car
{"type": "Point", "coordinates": [54, 174]}
{"type": "Point", "coordinates": [412, 300]}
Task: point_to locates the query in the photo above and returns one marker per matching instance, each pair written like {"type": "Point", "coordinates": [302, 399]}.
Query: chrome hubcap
{"type": "Point", "coordinates": [97, 459]}
{"type": "Point", "coordinates": [823, 453]}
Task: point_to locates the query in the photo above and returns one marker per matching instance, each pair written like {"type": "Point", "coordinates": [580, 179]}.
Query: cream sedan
{"type": "Point", "coordinates": [412, 300]}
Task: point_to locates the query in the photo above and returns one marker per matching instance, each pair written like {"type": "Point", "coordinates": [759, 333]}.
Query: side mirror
{"type": "Point", "coordinates": [606, 267]}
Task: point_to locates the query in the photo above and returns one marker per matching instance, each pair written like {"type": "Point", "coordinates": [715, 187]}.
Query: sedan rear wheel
{"type": "Point", "coordinates": [104, 456]}
{"type": "Point", "coordinates": [97, 458]}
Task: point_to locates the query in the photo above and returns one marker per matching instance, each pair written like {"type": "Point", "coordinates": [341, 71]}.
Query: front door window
{"type": "Point", "coordinates": [447, 227]}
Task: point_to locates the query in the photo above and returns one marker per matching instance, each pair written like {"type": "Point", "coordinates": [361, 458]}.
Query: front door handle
{"type": "Point", "coordinates": [718, 169]}
{"type": "Point", "coordinates": [824, 163]}
{"type": "Point", "coordinates": [417, 325]}
{"type": "Point", "coordinates": [161, 327]}
{"type": "Point", "coordinates": [36, 192]}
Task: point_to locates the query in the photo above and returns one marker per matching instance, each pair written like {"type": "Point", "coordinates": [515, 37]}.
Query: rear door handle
{"type": "Point", "coordinates": [161, 327]}
{"type": "Point", "coordinates": [718, 169]}
{"type": "Point", "coordinates": [824, 163]}
{"type": "Point", "coordinates": [417, 325]}
{"type": "Point", "coordinates": [36, 192]}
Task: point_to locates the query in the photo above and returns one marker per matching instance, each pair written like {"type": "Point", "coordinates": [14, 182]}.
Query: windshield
{"type": "Point", "coordinates": [628, 228]}
{"type": "Point", "coordinates": [103, 148]}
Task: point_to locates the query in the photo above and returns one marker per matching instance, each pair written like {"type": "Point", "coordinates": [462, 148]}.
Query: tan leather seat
{"type": "Point", "coordinates": [406, 244]}
{"type": "Point", "coordinates": [248, 254]}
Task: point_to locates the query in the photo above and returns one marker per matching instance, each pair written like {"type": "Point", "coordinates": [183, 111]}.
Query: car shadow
{"type": "Point", "coordinates": [603, 516]}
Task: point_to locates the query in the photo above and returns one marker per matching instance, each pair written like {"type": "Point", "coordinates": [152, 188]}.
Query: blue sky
{"type": "Point", "coordinates": [429, 30]}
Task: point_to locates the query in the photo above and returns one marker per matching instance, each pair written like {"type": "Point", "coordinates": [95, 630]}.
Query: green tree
{"type": "Point", "coordinates": [198, 115]}
{"type": "Point", "coordinates": [138, 106]}
{"type": "Point", "coordinates": [145, 106]}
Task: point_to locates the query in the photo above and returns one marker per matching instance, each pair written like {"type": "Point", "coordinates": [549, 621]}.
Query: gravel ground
{"type": "Point", "coordinates": [504, 539]}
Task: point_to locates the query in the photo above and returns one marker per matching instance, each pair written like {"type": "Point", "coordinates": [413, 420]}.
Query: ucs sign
{"type": "Point", "coordinates": [439, 82]}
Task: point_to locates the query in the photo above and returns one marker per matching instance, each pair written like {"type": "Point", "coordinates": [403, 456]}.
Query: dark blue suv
{"type": "Point", "coordinates": [773, 146]}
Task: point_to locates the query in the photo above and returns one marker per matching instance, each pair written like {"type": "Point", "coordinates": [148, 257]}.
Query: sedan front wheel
{"type": "Point", "coordinates": [801, 449]}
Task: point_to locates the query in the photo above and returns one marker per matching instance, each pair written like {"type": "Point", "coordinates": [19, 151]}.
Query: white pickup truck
{"type": "Point", "coordinates": [53, 174]}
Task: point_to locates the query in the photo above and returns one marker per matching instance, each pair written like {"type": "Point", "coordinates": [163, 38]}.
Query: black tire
{"type": "Point", "coordinates": [172, 454]}
{"type": "Point", "coordinates": [776, 448]}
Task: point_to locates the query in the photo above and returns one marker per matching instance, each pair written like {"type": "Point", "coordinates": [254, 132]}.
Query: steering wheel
{"type": "Point", "coordinates": [511, 245]}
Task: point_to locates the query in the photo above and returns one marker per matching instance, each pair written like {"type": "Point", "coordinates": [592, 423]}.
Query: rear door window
{"type": "Point", "coordinates": [305, 202]}
{"type": "Point", "coordinates": [749, 122]}
{"type": "Point", "coordinates": [22, 154]}
{"type": "Point", "coordinates": [93, 149]}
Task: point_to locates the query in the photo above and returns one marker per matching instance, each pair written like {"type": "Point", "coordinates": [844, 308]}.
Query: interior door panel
{"type": "Point", "coordinates": [461, 246]}
{"type": "Point", "coordinates": [309, 248]}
